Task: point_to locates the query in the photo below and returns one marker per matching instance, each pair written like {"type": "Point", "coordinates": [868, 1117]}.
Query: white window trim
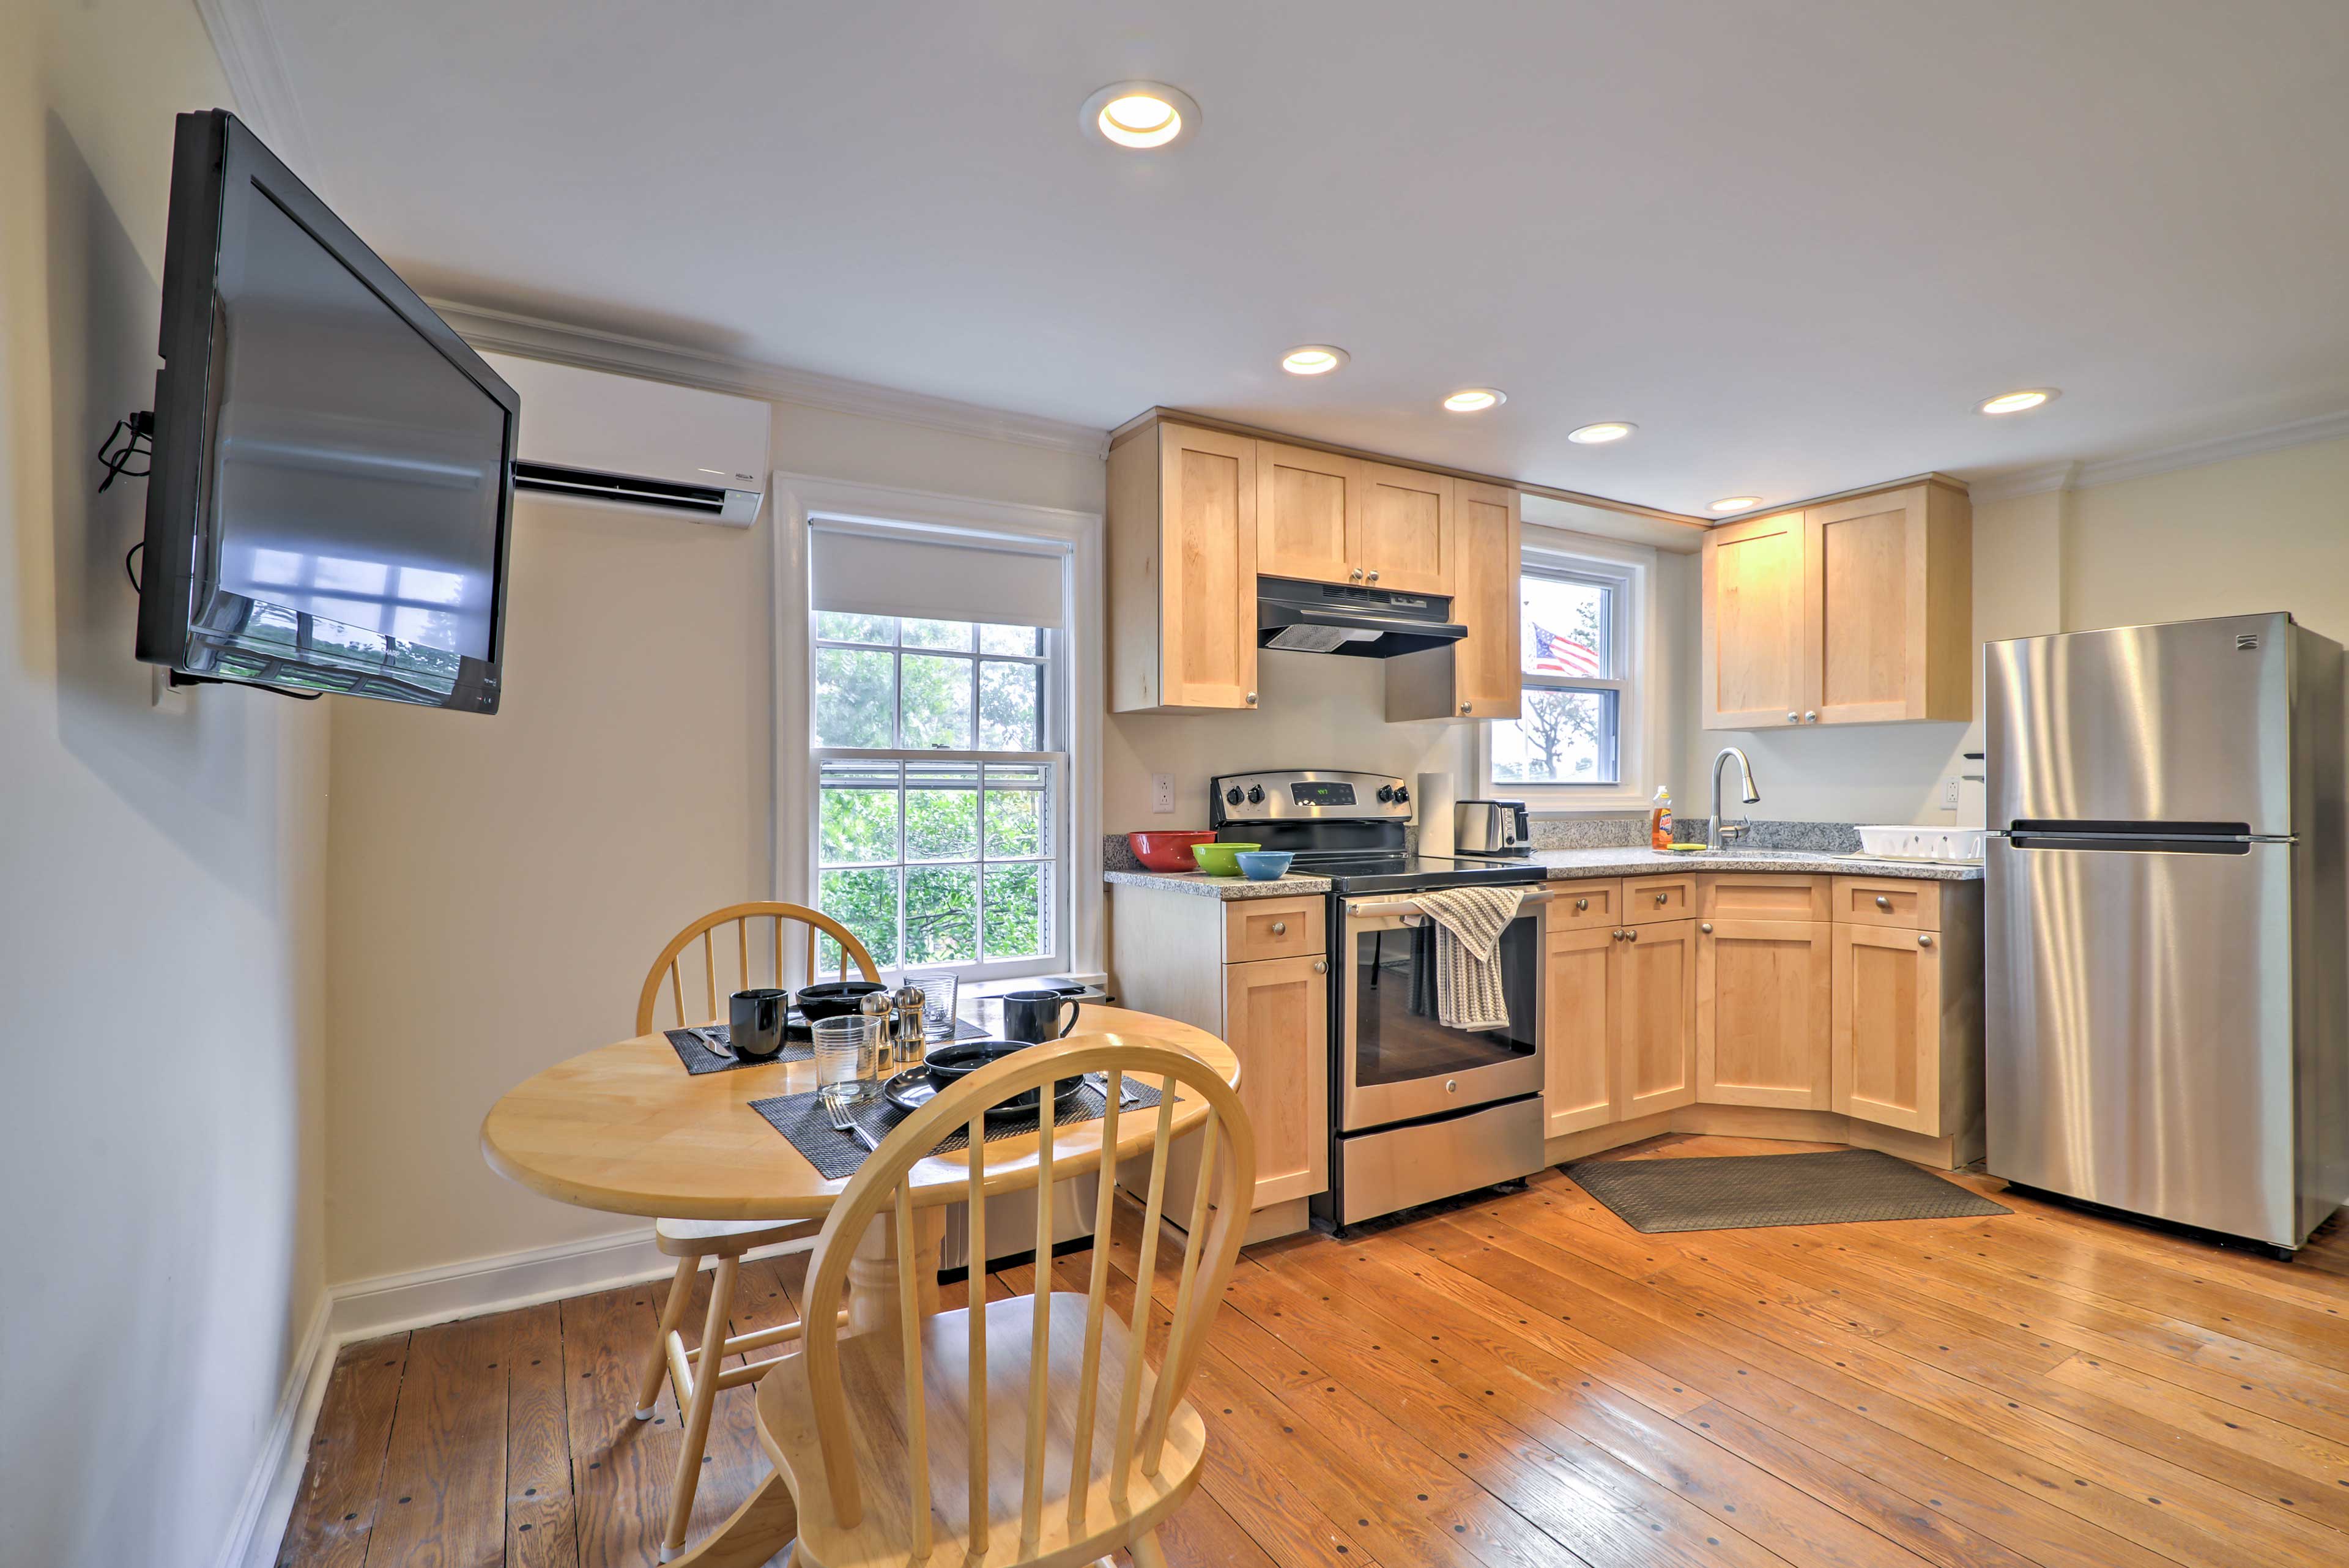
{"type": "Point", "coordinates": [1636, 664]}
{"type": "Point", "coordinates": [1074, 539]}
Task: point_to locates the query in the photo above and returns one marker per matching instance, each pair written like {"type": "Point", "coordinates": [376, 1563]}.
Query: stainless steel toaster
{"type": "Point", "coordinates": [1491, 827]}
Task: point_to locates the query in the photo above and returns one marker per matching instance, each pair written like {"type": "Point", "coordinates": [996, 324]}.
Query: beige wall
{"type": "Point", "coordinates": [160, 954]}
{"type": "Point", "coordinates": [2254, 533]}
{"type": "Point", "coordinates": [499, 887]}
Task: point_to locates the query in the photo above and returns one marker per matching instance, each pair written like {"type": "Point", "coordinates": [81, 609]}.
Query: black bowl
{"type": "Point", "coordinates": [950, 1064]}
{"type": "Point", "coordinates": [834, 998]}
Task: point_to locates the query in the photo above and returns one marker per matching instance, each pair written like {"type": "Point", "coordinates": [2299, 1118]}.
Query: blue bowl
{"type": "Point", "coordinates": [1265, 865]}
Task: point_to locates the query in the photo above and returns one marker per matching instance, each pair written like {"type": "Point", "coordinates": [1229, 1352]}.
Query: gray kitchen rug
{"type": "Point", "coordinates": [1740, 1192]}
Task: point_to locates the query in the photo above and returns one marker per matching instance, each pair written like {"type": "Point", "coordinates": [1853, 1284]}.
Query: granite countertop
{"type": "Point", "coordinates": [1200, 885]}
{"type": "Point", "coordinates": [1567, 864]}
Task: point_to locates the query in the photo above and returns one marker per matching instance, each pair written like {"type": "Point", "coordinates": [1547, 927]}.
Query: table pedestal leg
{"type": "Point", "coordinates": [873, 1271]}
{"type": "Point", "coordinates": [768, 1520]}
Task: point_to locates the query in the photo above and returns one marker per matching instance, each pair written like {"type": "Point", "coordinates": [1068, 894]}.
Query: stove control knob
{"type": "Point", "coordinates": [1255, 795]}
{"type": "Point", "coordinates": [1386, 794]}
{"type": "Point", "coordinates": [1232, 796]}
{"type": "Point", "coordinates": [1402, 794]}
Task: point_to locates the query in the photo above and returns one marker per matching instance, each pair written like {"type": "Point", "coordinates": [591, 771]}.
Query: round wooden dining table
{"type": "Point", "coordinates": [627, 1130]}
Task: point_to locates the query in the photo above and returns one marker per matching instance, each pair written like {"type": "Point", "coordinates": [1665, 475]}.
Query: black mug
{"type": "Point", "coordinates": [1033, 1017]}
{"type": "Point", "coordinates": [754, 1026]}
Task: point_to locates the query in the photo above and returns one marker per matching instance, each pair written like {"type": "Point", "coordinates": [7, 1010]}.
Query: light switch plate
{"type": "Point", "coordinates": [1161, 794]}
{"type": "Point", "coordinates": [1949, 794]}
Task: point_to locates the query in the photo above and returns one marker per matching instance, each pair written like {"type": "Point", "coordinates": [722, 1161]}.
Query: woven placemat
{"type": "Point", "coordinates": [699, 1059]}
{"type": "Point", "coordinates": [1743, 1191]}
{"type": "Point", "coordinates": [804, 1119]}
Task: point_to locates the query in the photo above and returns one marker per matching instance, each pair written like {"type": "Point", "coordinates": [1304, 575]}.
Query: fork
{"type": "Point", "coordinates": [837, 1108]}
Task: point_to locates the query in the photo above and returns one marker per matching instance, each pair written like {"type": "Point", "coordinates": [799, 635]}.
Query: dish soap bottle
{"type": "Point", "coordinates": [1659, 820]}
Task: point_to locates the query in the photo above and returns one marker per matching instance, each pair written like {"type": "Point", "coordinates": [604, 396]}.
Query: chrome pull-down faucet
{"type": "Point", "coordinates": [1715, 835]}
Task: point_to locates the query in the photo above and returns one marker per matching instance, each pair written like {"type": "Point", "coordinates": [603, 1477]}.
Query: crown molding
{"type": "Point", "coordinates": [2023, 482]}
{"type": "Point", "coordinates": [535, 337]}
{"type": "Point", "coordinates": [2077, 476]}
{"type": "Point", "coordinates": [247, 46]}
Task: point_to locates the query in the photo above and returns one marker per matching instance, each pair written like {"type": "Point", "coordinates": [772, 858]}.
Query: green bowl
{"type": "Point", "coordinates": [1220, 859]}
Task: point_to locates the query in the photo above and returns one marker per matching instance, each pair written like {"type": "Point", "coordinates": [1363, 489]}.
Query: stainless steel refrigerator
{"type": "Point", "coordinates": [2167, 922]}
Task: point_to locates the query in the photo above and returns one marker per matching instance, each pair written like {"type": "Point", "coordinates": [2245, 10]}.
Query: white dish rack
{"type": "Point", "coordinates": [1944, 844]}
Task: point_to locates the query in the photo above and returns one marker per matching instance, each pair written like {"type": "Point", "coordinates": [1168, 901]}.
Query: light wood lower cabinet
{"type": "Point", "coordinates": [1762, 1035]}
{"type": "Point", "coordinates": [1655, 1050]}
{"type": "Point", "coordinates": [1618, 1023]}
{"type": "Point", "coordinates": [1277, 1022]}
{"type": "Point", "coordinates": [1763, 1000]}
{"type": "Point", "coordinates": [1580, 1019]}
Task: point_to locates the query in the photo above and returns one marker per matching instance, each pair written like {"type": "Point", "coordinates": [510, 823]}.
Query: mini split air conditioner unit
{"type": "Point", "coordinates": [625, 441]}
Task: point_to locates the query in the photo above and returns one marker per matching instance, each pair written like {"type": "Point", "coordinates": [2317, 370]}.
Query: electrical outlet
{"type": "Point", "coordinates": [1161, 794]}
{"type": "Point", "coordinates": [1949, 794]}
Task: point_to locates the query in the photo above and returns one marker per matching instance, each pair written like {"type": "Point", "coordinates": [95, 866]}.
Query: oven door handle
{"type": "Point", "coordinates": [1412, 906]}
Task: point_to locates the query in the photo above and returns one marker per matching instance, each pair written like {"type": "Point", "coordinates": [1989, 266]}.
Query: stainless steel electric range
{"type": "Point", "coordinates": [1417, 1111]}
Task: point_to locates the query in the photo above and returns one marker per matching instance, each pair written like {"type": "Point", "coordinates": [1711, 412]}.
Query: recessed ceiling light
{"type": "Point", "coordinates": [1475, 399]}
{"type": "Point", "coordinates": [1141, 114]}
{"type": "Point", "coordinates": [1313, 359]}
{"type": "Point", "coordinates": [1737, 504]}
{"type": "Point", "coordinates": [1599, 434]}
{"type": "Point", "coordinates": [2016, 403]}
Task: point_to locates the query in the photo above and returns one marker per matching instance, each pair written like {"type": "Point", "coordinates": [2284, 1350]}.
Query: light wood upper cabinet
{"type": "Point", "coordinates": [1888, 621]}
{"type": "Point", "coordinates": [1477, 677]}
{"type": "Point", "coordinates": [1858, 611]}
{"type": "Point", "coordinates": [1308, 515]}
{"type": "Point", "coordinates": [1181, 570]}
{"type": "Point", "coordinates": [1408, 530]}
{"type": "Point", "coordinates": [1752, 658]}
{"type": "Point", "coordinates": [1277, 1022]}
{"type": "Point", "coordinates": [1762, 1035]}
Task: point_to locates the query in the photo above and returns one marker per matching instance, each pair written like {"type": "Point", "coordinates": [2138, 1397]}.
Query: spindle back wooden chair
{"type": "Point", "coordinates": [695, 1373]}
{"type": "Point", "coordinates": [1071, 1446]}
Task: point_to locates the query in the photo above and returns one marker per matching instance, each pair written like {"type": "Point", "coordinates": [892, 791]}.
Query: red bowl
{"type": "Point", "coordinates": [1168, 851]}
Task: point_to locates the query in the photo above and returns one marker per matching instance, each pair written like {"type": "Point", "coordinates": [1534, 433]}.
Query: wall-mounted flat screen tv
{"type": "Point", "coordinates": [331, 489]}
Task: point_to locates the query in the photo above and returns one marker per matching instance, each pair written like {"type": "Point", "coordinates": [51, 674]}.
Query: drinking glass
{"type": "Point", "coordinates": [846, 1051]}
{"type": "Point", "coordinates": [939, 989]}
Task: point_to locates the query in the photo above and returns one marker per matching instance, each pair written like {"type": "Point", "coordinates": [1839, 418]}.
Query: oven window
{"type": "Point", "coordinates": [1397, 1037]}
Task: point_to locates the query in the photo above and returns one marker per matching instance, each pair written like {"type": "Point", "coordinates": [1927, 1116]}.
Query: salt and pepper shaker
{"type": "Point", "coordinates": [875, 1006]}
{"type": "Point", "coordinates": [912, 1048]}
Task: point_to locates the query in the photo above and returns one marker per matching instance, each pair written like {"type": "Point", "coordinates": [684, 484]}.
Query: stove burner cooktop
{"type": "Point", "coordinates": [1352, 874]}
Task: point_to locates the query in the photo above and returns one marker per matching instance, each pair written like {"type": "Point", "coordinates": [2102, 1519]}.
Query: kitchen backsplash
{"type": "Point", "coordinates": [1614, 832]}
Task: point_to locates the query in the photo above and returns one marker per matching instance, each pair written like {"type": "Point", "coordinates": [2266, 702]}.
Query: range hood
{"type": "Point", "coordinates": [1366, 623]}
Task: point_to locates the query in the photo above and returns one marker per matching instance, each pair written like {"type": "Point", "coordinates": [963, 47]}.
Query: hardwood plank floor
{"type": "Point", "coordinates": [1517, 1381]}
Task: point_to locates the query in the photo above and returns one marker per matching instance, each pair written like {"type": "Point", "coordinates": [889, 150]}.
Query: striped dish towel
{"type": "Point", "coordinates": [1468, 926]}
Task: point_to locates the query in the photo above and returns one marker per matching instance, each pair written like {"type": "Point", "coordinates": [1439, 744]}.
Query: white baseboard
{"type": "Point", "coordinates": [259, 1522]}
{"type": "Point", "coordinates": [386, 1303]}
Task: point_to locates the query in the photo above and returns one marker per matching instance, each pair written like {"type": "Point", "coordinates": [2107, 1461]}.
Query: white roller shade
{"type": "Point", "coordinates": [926, 578]}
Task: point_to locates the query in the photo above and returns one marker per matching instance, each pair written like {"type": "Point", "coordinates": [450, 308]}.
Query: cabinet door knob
{"type": "Point", "coordinates": [1580, 905]}
{"type": "Point", "coordinates": [1706, 927]}
{"type": "Point", "coordinates": [1661, 897]}
{"type": "Point", "coordinates": [1451, 1085]}
{"type": "Point", "coordinates": [1882, 902]}
{"type": "Point", "coordinates": [1320, 966]}
{"type": "Point", "coordinates": [1466, 706]}
{"type": "Point", "coordinates": [1374, 577]}
{"type": "Point", "coordinates": [1633, 935]}
{"type": "Point", "coordinates": [1924, 938]}
{"type": "Point", "coordinates": [1281, 928]}
{"type": "Point", "coordinates": [1792, 718]}
{"type": "Point", "coordinates": [1810, 717]}
{"type": "Point", "coordinates": [1251, 699]}
{"type": "Point", "coordinates": [1355, 575]}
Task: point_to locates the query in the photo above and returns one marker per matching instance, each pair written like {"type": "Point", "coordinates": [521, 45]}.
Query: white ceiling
{"type": "Point", "coordinates": [1794, 242]}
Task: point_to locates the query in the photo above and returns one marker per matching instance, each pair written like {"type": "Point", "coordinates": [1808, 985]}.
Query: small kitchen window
{"type": "Point", "coordinates": [1576, 742]}
{"type": "Point", "coordinates": [939, 755]}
